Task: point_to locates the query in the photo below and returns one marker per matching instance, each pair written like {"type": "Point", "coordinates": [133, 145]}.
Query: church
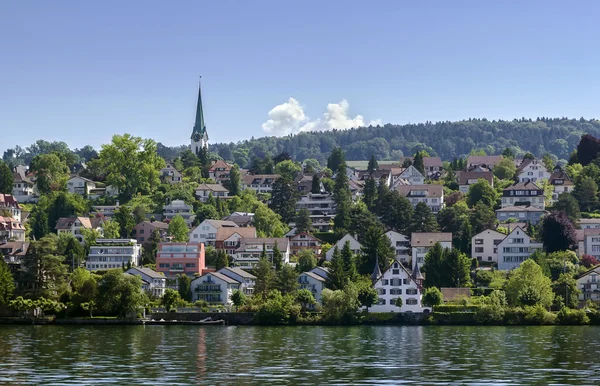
{"type": "Point", "coordinates": [199, 137]}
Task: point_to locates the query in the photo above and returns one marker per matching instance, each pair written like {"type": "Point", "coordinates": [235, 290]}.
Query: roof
{"type": "Point", "coordinates": [248, 179]}
{"type": "Point", "coordinates": [589, 220]}
{"type": "Point", "coordinates": [7, 200]}
{"type": "Point", "coordinates": [212, 187]}
{"type": "Point", "coordinates": [310, 237]}
{"type": "Point", "coordinates": [464, 177]}
{"type": "Point", "coordinates": [488, 160]}
{"type": "Point", "coordinates": [595, 269]}
{"type": "Point", "coordinates": [221, 223]}
{"type": "Point", "coordinates": [452, 294]}
{"type": "Point", "coordinates": [522, 208]}
{"type": "Point", "coordinates": [433, 190]}
{"type": "Point", "coordinates": [591, 232]}
{"type": "Point", "coordinates": [496, 233]}
{"type": "Point", "coordinates": [219, 164]}
{"type": "Point", "coordinates": [86, 222]}
{"type": "Point", "coordinates": [223, 277]}
{"type": "Point", "coordinates": [156, 224]}
{"type": "Point", "coordinates": [15, 248]}
{"type": "Point", "coordinates": [224, 233]}
{"type": "Point", "coordinates": [240, 220]}
{"type": "Point", "coordinates": [314, 276]}
{"type": "Point", "coordinates": [416, 273]}
{"type": "Point", "coordinates": [559, 174]}
{"type": "Point", "coordinates": [580, 234]}
{"type": "Point", "coordinates": [282, 242]}
{"type": "Point", "coordinates": [81, 178]}
{"type": "Point", "coordinates": [9, 223]}
{"type": "Point", "coordinates": [429, 239]}
{"type": "Point", "coordinates": [523, 185]}
{"type": "Point", "coordinates": [238, 271]}
{"type": "Point", "coordinates": [147, 271]}
{"type": "Point", "coordinates": [428, 162]}
{"type": "Point", "coordinates": [321, 271]}
{"type": "Point", "coordinates": [199, 126]}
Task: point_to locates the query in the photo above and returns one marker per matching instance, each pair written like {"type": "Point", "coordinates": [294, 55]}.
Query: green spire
{"type": "Point", "coordinates": [199, 126]}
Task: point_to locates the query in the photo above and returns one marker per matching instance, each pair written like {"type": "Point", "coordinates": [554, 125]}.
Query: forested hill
{"type": "Point", "coordinates": [558, 136]}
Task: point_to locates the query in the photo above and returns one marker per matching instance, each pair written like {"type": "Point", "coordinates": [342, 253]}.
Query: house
{"type": "Point", "coordinates": [113, 253]}
{"type": "Point", "coordinates": [398, 282]}
{"type": "Point", "coordinates": [152, 281]}
{"type": "Point", "coordinates": [24, 189]}
{"type": "Point", "coordinates": [143, 230]}
{"type": "Point", "coordinates": [75, 225]}
{"type": "Point", "coordinates": [466, 179]}
{"type": "Point", "coordinates": [589, 285]}
{"type": "Point", "coordinates": [11, 229]}
{"type": "Point", "coordinates": [80, 185]}
{"type": "Point", "coordinates": [314, 283]}
{"type": "Point", "coordinates": [521, 214]}
{"type": "Point", "coordinates": [105, 211]}
{"type": "Point", "coordinates": [170, 175]}
{"type": "Point", "coordinates": [246, 280]}
{"type": "Point", "coordinates": [355, 246]}
{"type": "Point", "coordinates": [523, 193]}
{"type": "Point", "coordinates": [321, 209]}
{"type": "Point", "coordinates": [248, 253]}
{"type": "Point", "coordinates": [304, 182]}
{"type": "Point", "coordinates": [591, 242]}
{"type": "Point", "coordinates": [206, 231]}
{"type": "Point", "coordinates": [260, 183]}
{"type": "Point", "coordinates": [484, 245]}
{"type": "Point", "coordinates": [304, 240]}
{"type": "Point", "coordinates": [101, 191]}
{"type": "Point", "coordinates": [422, 242]}
{"type": "Point", "coordinates": [228, 238]}
{"type": "Point", "coordinates": [432, 165]}
{"type": "Point", "coordinates": [410, 175]}
{"type": "Point", "coordinates": [241, 219]}
{"type": "Point", "coordinates": [179, 207]}
{"type": "Point", "coordinates": [203, 191]}
{"type": "Point", "coordinates": [561, 182]}
{"type": "Point", "coordinates": [432, 195]}
{"type": "Point", "coordinates": [380, 176]}
{"type": "Point", "coordinates": [356, 189]}
{"type": "Point", "coordinates": [13, 253]}
{"type": "Point", "coordinates": [483, 160]}
{"type": "Point", "coordinates": [214, 288]}
{"type": "Point", "coordinates": [321, 271]}
{"type": "Point", "coordinates": [177, 258]}
{"type": "Point", "coordinates": [219, 171]}
{"type": "Point", "coordinates": [401, 245]}
{"type": "Point", "coordinates": [9, 206]}
{"type": "Point", "coordinates": [585, 223]}
{"type": "Point", "coordinates": [532, 170]}
{"type": "Point", "coordinates": [516, 247]}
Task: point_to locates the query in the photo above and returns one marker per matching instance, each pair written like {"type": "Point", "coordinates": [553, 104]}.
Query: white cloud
{"type": "Point", "coordinates": [289, 118]}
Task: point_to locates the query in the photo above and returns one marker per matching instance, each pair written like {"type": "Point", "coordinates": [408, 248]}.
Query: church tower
{"type": "Point", "coordinates": [199, 137]}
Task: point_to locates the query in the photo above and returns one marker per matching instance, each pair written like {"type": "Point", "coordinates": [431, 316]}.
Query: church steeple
{"type": "Point", "coordinates": [199, 135]}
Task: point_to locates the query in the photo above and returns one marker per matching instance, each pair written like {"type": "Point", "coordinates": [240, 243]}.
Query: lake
{"type": "Point", "coordinates": [182, 355]}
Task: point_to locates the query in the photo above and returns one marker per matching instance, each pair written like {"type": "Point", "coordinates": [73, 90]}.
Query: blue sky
{"type": "Point", "coordinates": [80, 71]}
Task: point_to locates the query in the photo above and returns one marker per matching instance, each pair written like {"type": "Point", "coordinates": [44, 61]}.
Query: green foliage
{"type": "Point", "coordinates": [178, 229]}
{"type": "Point", "coordinates": [586, 193]}
{"type": "Point", "coordinates": [432, 297]}
{"type": "Point", "coordinates": [336, 158]}
{"type": "Point", "coordinates": [277, 309]}
{"type": "Point", "coordinates": [283, 199]}
{"type": "Point", "coordinates": [235, 181]}
{"type": "Point", "coordinates": [398, 302]}
{"type": "Point", "coordinates": [171, 299]}
{"type": "Point", "coordinates": [126, 220]}
{"type": "Point", "coordinates": [423, 219]}
{"type": "Point", "coordinates": [375, 244]}
{"type": "Point", "coordinates": [287, 279]}
{"type": "Point", "coordinates": [7, 286]}
{"type": "Point", "coordinates": [6, 178]}
{"type": "Point", "coordinates": [51, 173]}
{"type": "Point", "coordinates": [306, 260]}
{"type": "Point", "coordinates": [340, 306]}
{"type": "Point", "coordinates": [265, 278]}
{"type": "Point", "coordinates": [336, 279]}
{"type": "Point", "coordinates": [238, 298]}
{"type": "Point", "coordinates": [505, 169]}
{"type": "Point", "coordinates": [303, 221]}
{"type": "Point", "coordinates": [222, 259]}
{"type": "Point", "coordinates": [568, 204]}
{"type": "Point", "coordinates": [45, 268]}
{"type": "Point", "coordinates": [481, 191]}
{"type": "Point", "coordinates": [120, 294]}
{"type": "Point", "coordinates": [288, 169]}
{"type": "Point", "coordinates": [373, 165]}
{"type": "Point", "coordinates": [566, 287]}
{"type": "Point", "coordinates": [528, 286]}
{"type": "Point", "coordinates": [445, 267]}
{"type": "Point", "coordinates": [349, 262]}
{"type": "Point", "coordinates": [557, 232]}
{"type": "Point", "coordinates": [567, 316]}
{"type": "Point", "coordinates": [367, 295]}
{"type": "Point", "coordinates": [111, 229]}
{"type": "Point", "coordinates": [305, 298]}
{"type": "Point", "coordinates": [418, 163]}
{"type": "Point", "coordinates": [183, 287]}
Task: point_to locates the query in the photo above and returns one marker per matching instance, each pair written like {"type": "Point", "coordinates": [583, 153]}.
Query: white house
{"type": "Point", "coordinates": [532, 170]}
{"type": "Point", "coordinates": [484, 245]}
{"type": "Point", "coordinates": [401, 245]}
{"type": "Point", "coordinates": [10, 205]}
{"type": "Point", "coordinates": [170, 174]}
{"type": "Point", "coordinates": [214, 287]}
{"type": "Point", "coordinates": [24, 189]}
{"type": "Point", "coordinates": [421, 243]}
{"type": "Point", "coordinates": [591, 242]}
{"type": "Point", "coordinates": [179, 207]}
{"type": "Point", "coordinates": [321, 209]}
{"type": "Point", "coordinates": [152, 281]}
{"type": "Point", "coordinates": [75, 226]}
{"type": "Point", "coordinates": [204, 191]}
{"type": "Point", "coordinates": [80, 185]}
{"type": "Point", "coordinates": [248, 253]}
{"type": "Point", "coordinates": [260, 183]}
{"type": "Point", "coordinates": [411, 175]}
{"type": "Point", "coordinates": [313, 282]}
{"type": "Point", "coordinates": [355, 246]}
{"type": "Point", "coordinates": [432, 195]}
{"type": "Point", "coordinates": [561, 182]}
{"type": "Point", "coordinates": [398, 282]}
{"type": "Point", "coordinates": [466, 179]}
{"type": "Point", "coordinates": [113, 253]}
{"type": "Point", "coordinates": [206, 231]}
{"type": "Point", "coordinates": [246, 280]}
{"type": "Point", "coordinates": [516, 247]}
{"type": "Point", "coordinates": [524, 194]}
{"type": "Point", "coordinates": [589, 285]}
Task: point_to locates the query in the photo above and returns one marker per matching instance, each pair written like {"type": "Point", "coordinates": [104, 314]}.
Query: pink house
{"type": "Point", "coordinates": [176, 258]}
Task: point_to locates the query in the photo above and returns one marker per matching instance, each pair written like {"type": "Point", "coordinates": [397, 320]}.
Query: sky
{"type": "Point", "coordinates": [82, 71]}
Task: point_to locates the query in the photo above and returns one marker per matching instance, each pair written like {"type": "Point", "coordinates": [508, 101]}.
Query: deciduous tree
{"type": "Point", "coordinates": [557, 232]}
{"type": "Point", "coordinates": [528, 286]}
{"type": "Point", "coordinates": [178, 229]}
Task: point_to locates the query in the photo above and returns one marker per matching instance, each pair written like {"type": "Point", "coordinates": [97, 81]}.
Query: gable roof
{"type": "Point", "coordinates": [314, 276]}
{"type": "Point", "coordinates": [429, 239]}
{"type": "Point", "coordinates": [248, 179]}
{"type": "Point", "coordinates": [310, 237]}
{"type": "Point", "coordinates": [219, 164]}
{"type": "Point", "coordinates": [521, 208]}
{"type": "Point", "coordinates": [523, 185]}
{"type": "Point", "coordinates": [148, 272]}
{"type": "Point", "coordinates": [464, 177]}
{"type": "Point", "coordinates": [282, 242]}
{"type": "Point", "coordinates": [559, 174]}
{"type": "Point", "coordinates": [223, 277]}
{"type": "Point", "coordinates": [493, 232]}
{"type": "Point", "coordinates": [224, 233]}
{"type": "Point", "coordinates": [433, 190]}
{"type": "Point", "coordinates": [65, 223]}
{"type": "Point", "coordinates": [321, 271]}
{"type": "Point", "coordinates": [155, 224]}
{"type": "Point", "coordinates": [220, 223]}
{"type": "Point", "coordinates": [238, 271]}
{"type": "Point", "coordinates": [212, 188]}
{"type": "Point", "coordinates": [8, 201]}
{"type": "Point", "coordinates": [488, 160]}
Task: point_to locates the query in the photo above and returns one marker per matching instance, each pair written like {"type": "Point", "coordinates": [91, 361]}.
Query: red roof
{"type": "Point", "coordinates": [6, 200]}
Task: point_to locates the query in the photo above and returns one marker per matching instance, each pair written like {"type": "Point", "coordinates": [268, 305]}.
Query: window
{"type": "Point", "coordinates": [478, 249]}
{"type": "Point", "coordinates": [395, 272]}
{"type": "Point", "coordinates": [411, 302]}
{"type": "Point", "coordinates": [381, 291]}
{"type": "Point", "coordinates": [411, 291]}
{"type": "Point", "coordinates": [479, 241]}
{"type": "Point", "coordinates": [396, 291]}
{"type": "Point", "coordinates": [141, 231]}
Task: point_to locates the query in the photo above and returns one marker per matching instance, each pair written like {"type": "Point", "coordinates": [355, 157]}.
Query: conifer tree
{"type": "Point", "coordinates": [423, 220]}
{"type": "Point", "coordinates": [373, 165]}
{"type": "Point", "coordinates": [418, 163]}
{"type": "Point", "coordinates": [370, 193]}
{"type": "Point", "coordinates": [349, 262]}
{"type": "Point", "coordinates": [316, 184]}
{"type": "Point", "coordinates": [336, 279]}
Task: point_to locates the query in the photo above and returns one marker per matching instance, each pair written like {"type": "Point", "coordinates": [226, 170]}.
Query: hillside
{"type": "Point", "coordinates": [558, 136]}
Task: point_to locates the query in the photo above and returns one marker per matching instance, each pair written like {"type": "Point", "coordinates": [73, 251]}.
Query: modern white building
{"type": "Point", "coordinates": [532, 170]}
{"type": "Point", "coordinates": [355, 246]}
{"type": "Point", "coordinates": [218, 191]}
{"type": "Point", "coordinates": [248, 253]}
{"type": "Point", "coordinates": [260, 183]}
{"type": "Point", "coordinates": [206, 231]}
{"type": "Point", "coordinates": [179, 207]}
{"type": "Point", "coordinates": [398, 282]}
{"type": "Point", "coordinates": [246, 280]}
{"type": "Point", "coordinates": [524, 194]}
{"type": "Point", "coordinates": [421, 243]}
{"type": "Point", "coordinates": [80, 185]}
{"type": "Point", "coordinates": [152, 281]}
{"type": "Point", "coordinates": [313, 282]}
{"type": "Point", "coordinates": [113, 253]}
{"type": "Point", "coordinates": [214, 287]}
{"type": "Point", "coordinates": [432, 195]}
{"type": "Point", "coordinates": [401, 245]}
{"type": "Point", "coordinates": [515, 248]}
{"type": "Point", "coordinates": [321, 208]}
{"type": "Point", "coordinates": [484, 245]}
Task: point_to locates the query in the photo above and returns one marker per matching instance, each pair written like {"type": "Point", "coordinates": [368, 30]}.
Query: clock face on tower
{"type": "Point", "coordinates": [196, 137]}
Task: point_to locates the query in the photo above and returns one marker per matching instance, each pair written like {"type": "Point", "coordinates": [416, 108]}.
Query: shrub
{"type": "Point", "coordinates": [568, 316]}
{"type": "Point", "coordinates": [539, 315]}
{"type": "Point", "coordinates": [457, 308]}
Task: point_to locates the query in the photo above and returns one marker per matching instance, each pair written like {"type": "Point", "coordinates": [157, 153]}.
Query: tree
{"type": "Point", "coordinates": [267, 222]}
{"type": "Point", "coordinates": [373, 165]}
{"type": "Point", "coordinates": [71, 248]}
{"type": "Point", "coordinates": [131, 164]}
{"type": "Point", "coordinates": [505, 169]}
{"type": "Point", "coordinates": [340, 306]}
{"type": "Point", "coordinates": [482, 217]}
{"type": "Point", "coordinates": [235, 181]}
{"type": "Point", "coordinates": [589, 261]}
{"type": "Point", "coordinates": [7, 285]}
{"type": "Point", "coordinates": [316, 184]}
{"type": "Point", "coordinates": [568, 204]}
{"type": "Point", "coordinates": [171, 299]}
{"type": "Point", "coordinates": [528, 156]}
{"type": "Point", "coordinates": [423, 219]}
{"type": "Point", "coordinates": [508, 153]}
{"type": "Point", "coordinates": [586, 193]}
{"type": "Point", "coordinates": [376, 246]}
{"type": "Point", "coordinates": [432, 297]}
{"type": "Point", "coordinates": [305, 298]}
{"type": "Point", "coordinates": [349, 262]}
{"type": "Point", "coordinates": [557, 233]}
{"type": "Point", "coordinates": [336, 279]}
{"type": "Point", "coordinates": [222, 260]}
{"type": "Point", "coordinates": [398, 302]}
{"type": "Point", "coordinates": [481, 191]}
{"type": "Point", "coordinates": [528, 286]}
{"type": "Point", "coordinates": [150, 248]}
{"type": "Point", "coordinates": [89, 307]}
{"type": "Point", "coordinates": [587, 149]}
{"type": "Point", "coordinates": [418, 163]}
{"type": "Point", "coordinates": [183, 287]}
{"type": "Point", "coordinates": [336, 158]}
{"type": "Point", "coordinates": [435, 267]}
{"type": "Point", "coordinates": [111, 229]}
{"type": "Point", "coordinates": [566, 287]}
{"type": "Point", "coordinates": [548, 162]}
{"type": "Point", "coordinates": [45, 268]}
{"type": "Point", "coordinates": [367, 295]}
{"type": "Point", "coordinates": [342, 198]}
{"type": "Point", "coordinates": [287, 279]}
{"type": "Point", "coordinates": [124, 217]}
{"type": "Point", "coordinates": [238, 298]}
{"type": "Point", "coordinates": [6, 179]}
{"type": "Point", "coordinates": [303, 221]}
{"type": "Point", "coordinates": [283, 199]}
{"type": "Point", "coordinates": [265, 278]}
{"type": "Point", "coordinates": [51, 173]}
{"type": "Point", "coordinates": [178, 229]}
{"type": "Point", "coordinates": [306, 260]}
{"type": "Point", "coordinates": [120, 294]}
{"type": "Point", "coordinates": [288, 169]}
{"type": "Point", "coordinates": [277, 257]}
{"type": "Point", "coordinates": [370, 193]}
{"type": "Point", "coordinates": [458, 268]}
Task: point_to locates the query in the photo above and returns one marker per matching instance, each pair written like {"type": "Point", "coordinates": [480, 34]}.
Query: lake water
{"type": "Point", "coordinates": [182, 355]}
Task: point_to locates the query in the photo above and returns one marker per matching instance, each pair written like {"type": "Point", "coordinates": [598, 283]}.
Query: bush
{"type": "Point", "coordinates": [457, 308]}
{"type": "Point", "coordinates": [277, 309]}
{"type": "Point", "coordinates": [490, 314]}
{"type": "Point", "coordinates": [454, 317]}
{"type": "Point", "coordinates": [539, 315]}
{"type": "Point", "coordinates": [568, 316]}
